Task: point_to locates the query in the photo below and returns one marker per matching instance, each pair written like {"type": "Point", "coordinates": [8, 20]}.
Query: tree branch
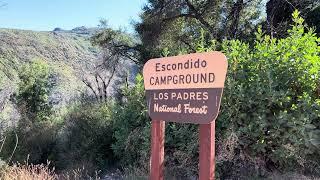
{"type": "Point", "coordinates": [109, 80]}
{"type": "Point", "coordinates": [235, 15]}
{"type": "Point", "coordinates": [98, 86]}
{"type": "Point", "coordinates": [197, 15]}
{"type": "Point", "coordinates": [177, 16]}
{"type": "Point", "coordinates": [88, 84]}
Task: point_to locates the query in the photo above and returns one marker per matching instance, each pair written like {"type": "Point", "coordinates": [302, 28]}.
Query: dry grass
{"type": "Point", "coordinates": [28, 172]}
{"type": "Point", "coordinates": [41, 172]}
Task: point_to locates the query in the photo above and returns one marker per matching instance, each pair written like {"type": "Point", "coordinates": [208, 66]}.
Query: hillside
{"type": "Point", "coordinates": [71, 47]}
{"type": "Point", "coordinates": [69, 52]}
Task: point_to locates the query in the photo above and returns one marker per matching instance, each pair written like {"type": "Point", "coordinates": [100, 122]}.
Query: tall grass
{"type": "Point", "coordinates": [28, 172]}
{"type": "Point", "coordinates": [41, 172]}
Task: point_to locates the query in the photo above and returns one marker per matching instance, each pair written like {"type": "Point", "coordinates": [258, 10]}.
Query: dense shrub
{"type": "Point", "coordinates": [85, 139]}
{"type": "Point", "coordinates": [82, 141]}
{"type": "Point", "coordinates": [132, 127]}
{"type": "Point", "coordinates": [32, 141]}
{"type": "Point", "coordinates": [271, 99]}
{"type": "Point", "coordinates": [35, 87]}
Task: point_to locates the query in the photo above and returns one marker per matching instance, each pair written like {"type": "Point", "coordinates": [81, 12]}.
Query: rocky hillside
{"type": "Point", "coordinates": [71, 47]}
{"type": "Point", "coordinates": [69, 52]}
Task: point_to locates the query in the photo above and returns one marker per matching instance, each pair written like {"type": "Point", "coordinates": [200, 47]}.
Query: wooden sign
{"type": "Point", "coordinates": [187, 88]}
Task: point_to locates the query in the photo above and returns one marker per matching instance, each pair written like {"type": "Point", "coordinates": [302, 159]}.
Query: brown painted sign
{"type": "Point", "coordinates": [185, 88]}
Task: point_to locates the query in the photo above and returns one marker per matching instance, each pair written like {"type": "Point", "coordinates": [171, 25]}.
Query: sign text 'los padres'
{"type": "Point", "coordinates": [185, 88]}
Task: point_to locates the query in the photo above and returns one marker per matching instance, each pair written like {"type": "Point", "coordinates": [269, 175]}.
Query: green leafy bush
{"type": "Point", "coordinates": [132, 127]}
{"type": "Point", "coordinates": [271, 99]}
{"type": "Point", "coordinates": [34, 90]}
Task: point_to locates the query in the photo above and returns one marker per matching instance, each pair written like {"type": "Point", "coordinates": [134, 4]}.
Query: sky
{"type": "Point", "coordinates": [45, 15]}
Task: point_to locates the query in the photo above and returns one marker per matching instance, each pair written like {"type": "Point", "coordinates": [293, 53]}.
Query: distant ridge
{"type": "Point", "coordinates": [83, 30]}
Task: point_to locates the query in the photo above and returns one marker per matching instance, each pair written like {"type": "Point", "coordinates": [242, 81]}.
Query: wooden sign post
{"type": "Point", "coordinates": [185, 89]}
